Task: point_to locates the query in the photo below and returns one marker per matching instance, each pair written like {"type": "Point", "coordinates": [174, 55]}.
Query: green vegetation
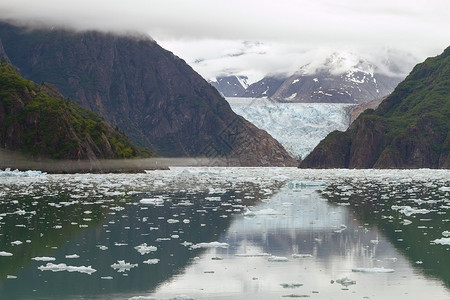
{"type": "Point", "coordinates": [36, 123]}
{"type": "Point", "coordinates": [410, 128]}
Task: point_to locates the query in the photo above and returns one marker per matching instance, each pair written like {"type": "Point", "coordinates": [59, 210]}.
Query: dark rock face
{"type": "Point", "coordinates": [149, 93]}
{"type": "Point", "coordinates": [266, 87]}
{"type": "Point", "coordinates": [409, 129]}
{"type": "Point", "coordinates": [230, 86]}
{"type": "Point", "coordinates": [325, 87]}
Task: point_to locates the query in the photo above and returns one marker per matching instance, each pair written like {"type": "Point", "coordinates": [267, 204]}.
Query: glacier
{"type": "Point", "coordinates": [299, 127]}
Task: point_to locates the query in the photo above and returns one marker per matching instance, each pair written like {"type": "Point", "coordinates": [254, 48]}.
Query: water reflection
{"type": "Point", "coordinates": [225, 234]}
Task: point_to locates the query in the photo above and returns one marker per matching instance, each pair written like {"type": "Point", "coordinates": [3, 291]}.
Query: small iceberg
{"type": "Point", "coordinates": [291, 285]}
{"type": "Point", "coordinates": [122, 266]}
{"type": "Point", "coordinates": [44, 258]}
{"type": "Point", "coordinates": [278, 259]}
{"type": "Point", "coordinates": [152, 201]}
{"type": "Point", "coordinates": [4, 253]}
{"type": "Point", "coordinates": [210, 245]}
{"type": "Point", "coordinates": [301, 255]}
{"type": "Point", "coordinates": [442, 241]}
{"type": "Point", "coordinates": [153, 261]}
{"type": "Point", "coordinates": [63, 267]}
{"type": "Point", "coordinates": [373, 270]}
{"type": "Point", "coordinates": [345, 281]}
{"type": "Point", "coordinates": [144, 249]}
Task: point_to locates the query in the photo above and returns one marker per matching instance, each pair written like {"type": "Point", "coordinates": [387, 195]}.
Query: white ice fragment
{"type": "Point", "coordinates": [186, 221]}
{"type": "Point", "coordinates": [446, 233]}
{"type": "Point", "coordinates": [63, 267]}
{"type": "Point", "coordinates": [43, 258]}
{"type": "Point", "coordinates": [291, 285]}
{"type": "Point", "coordinates": [16, 243]}
{"type": "Point", "coordinates": [11, 277]}
{"type": "Point", "coordinates": [172, 221]}
{"type": "Point", "coordinates": [122, 266]}
{"type": "Point", "coordinates": [210, 245]}
{"type": "Point", "coordinates": [373, 270]}
{"type": "Point", "coordinates": [252, 254]}
{"type": "Point", "coordinates": [278, 259]}
{"type": "Point", "coordinates": [72, 256]}
{"type": "Point", "coordinates": [301, 255]}
{"type": "Point", "coordinates": [120, 244]}
{"type": "Point", "coordinates": [345, 281]}
{"type": "Point", "coordinates": [406, 222]}
{"type": "Point", "coordinates": [102, 247]}
{"type": "Point", "coordinates": [106, 277]}
{"type": "Point", "coordinates": [144, 249]}
{"type": "Point", "coordinates": [249, 213]}
{"type": "Point", "coordinates": [152, 201]}
{"type": "Point", "coordinates": [142, 298]}
{"type": "Point", "coordinates": [442, 241]}
{"type": "Point", "coordinates": [153, 261]}
{"type": "Point", "coordinates": [4, 253]}
{"type": "Point", "coordinates": [408, 210]}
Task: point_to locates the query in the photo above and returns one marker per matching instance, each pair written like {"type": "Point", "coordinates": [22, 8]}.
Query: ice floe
{"type": "Point", "coordinates": [43, 258]}
{"type": "Point", "coordinates": [210, 245]}
{"type": "Point", "coordinates": [4, 253]}
{"type": "Point", "coordinates": [373, 270]}
{"type": "Point", "coordinates": [442, 241]}
{"type": "Point", "coordinates": [145, 249]}
{"type": "Point", "coordinates": [63, 267]}
{"type": "Point", "coordinates": [152, 261]}
{"type": "Point", "coordinates": [122, 266]}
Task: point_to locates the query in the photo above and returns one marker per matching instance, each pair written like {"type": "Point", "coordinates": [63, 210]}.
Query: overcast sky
{"type": "Point", "coordinates": [256, 37]}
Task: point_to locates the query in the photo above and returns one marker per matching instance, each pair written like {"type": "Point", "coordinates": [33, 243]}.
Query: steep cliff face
{"type": "Point", "coordinates": [149, 93]}
{"type": "Point", "coordinates": [409, 129]}
{"type": "Point", "coordinates": [37, 120]}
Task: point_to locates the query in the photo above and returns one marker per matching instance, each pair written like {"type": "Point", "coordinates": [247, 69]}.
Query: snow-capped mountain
{"type": "Point", "coordinates": [230, 86]}
{"type": "Point", "coordinates": [265, 87]}
{"type": "Point", "coordinates": [341, 78]}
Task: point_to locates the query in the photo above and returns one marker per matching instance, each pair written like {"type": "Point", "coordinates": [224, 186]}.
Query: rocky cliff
{"type": "Point", "coordinates": [39, 121]}
{"type": "Point", "coordinates": [409, 129]}
{"type": "Point", "coordinates": [149, 93]}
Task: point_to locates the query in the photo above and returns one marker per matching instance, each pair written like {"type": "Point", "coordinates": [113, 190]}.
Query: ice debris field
{"type": "Point", "coordinates": [230, 233]}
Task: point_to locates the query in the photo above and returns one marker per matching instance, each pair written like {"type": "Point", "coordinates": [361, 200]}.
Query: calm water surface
{"type": "Point", "coordinates": [226, 233]}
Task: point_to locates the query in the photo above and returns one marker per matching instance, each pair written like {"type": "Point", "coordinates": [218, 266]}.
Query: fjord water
{"type": "Point", "coordinates": [226, 233]}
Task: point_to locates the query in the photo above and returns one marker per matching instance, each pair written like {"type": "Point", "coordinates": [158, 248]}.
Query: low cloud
{"type": "Point", "coordinates": [213, 32]}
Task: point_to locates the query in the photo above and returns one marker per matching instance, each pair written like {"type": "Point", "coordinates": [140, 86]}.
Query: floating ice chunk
{"type": "Point", "coordinates": [102, 247]}
{"type": "Point", "coordinates": [373, 270]}
{"type": "Point", "coordinates": [11, 277]}
{"type": "Point", "coordinates": [446, 233]}
{"type": "Point", "coordinates": [210, 245]}
{"type": "Point", "coordinates": [186, 221]}
{"type": "Point", "coordinates": [172, 221]}
{"type": "Point", "coordinates": [251, 254]}
{"type": "Point", "coordinates": [122, 266]}
{"type": "Point", "coordinates": [16, 243]}
{"type": "Point", "coordinates": [295, 255]}
{"type": "Point", "coordinates": [63, 267]}
{"type": "Point", "coordinates": [72, 256]}
{"type": "Point", "coordinates": [153, 261]}
{"type": "Point", "coordinates": [152, 201]}
{"type": "Point", "coordinates": [291, 285]}
{"type": "Point", "coordinates": [345, 281]}
{"type": "Point", "coordinates": [107, 277]}
{"type": "Point", "coordinates": [408, 210]}
{"type": "Point", "coordinates": [4, 253]}
{"type": "Point", "coordinates": [142, 298]}
{"type": "Point", "coordinates": [144, 249]}
{"type": "Point", "coordinates": [249, 213]}
{"type": "Point", "coordinates": [406, 222]}
{"type": "Point", "coordinates": [267, 212]}
{"type": "Point", "coordinates": [442, 241]}
{"type": "Point", "coordinates": [120, 244]}
{"type": "Point", "coordinates": [44, 258]}
{"type": "Point", "coordinates": [278, 259]}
